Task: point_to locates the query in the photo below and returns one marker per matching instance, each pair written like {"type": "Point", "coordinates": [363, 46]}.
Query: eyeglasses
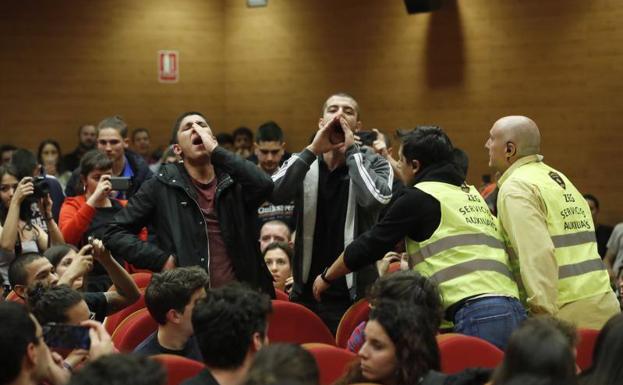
{"type": "Point", "coordinates": [92, 316]}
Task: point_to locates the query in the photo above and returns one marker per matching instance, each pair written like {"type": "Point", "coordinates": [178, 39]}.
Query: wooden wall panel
{"type": "Point", "coordinates": [558, 61]}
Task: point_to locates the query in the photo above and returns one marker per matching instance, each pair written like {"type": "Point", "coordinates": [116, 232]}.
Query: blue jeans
{"type": "Point", "coordinates": [490, 318]}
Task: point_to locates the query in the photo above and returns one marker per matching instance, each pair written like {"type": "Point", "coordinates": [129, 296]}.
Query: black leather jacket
{"type": "Point", "coordinates": [168, 202]}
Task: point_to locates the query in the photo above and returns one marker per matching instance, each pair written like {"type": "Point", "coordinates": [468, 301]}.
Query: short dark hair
{"type": "Point", "coordinates": [115, 122]}
{"type": "Point", "coordinates": [225, 322]}
{"type": "Point", "coordinates": [427, 144]}
{"type": "Point", "coordinates": [56, 253]}
{"type": "Point", "coordinates": [413, 335]}
{"type": "Point", "coordinates": [120, 369]}
{"type": "Point", "coordinates": [25, 162]}
{"type": "Point", "coordinates": [343, 95]}
{"type": "Point", "coordinates": [178, 121]}
{"type": "Point", "coordinates": [17, 331]}
{"type": "Point", "coordinates": [593, 198]}
{"type": "Point", "coordinates": [538, 348]}
{"type": "Point", "coordinates": [460, 160]}
{"type": "Point", "coordinates": [83, 126]}
{"type": "Point", "coordinates": [50, 304]}
{"type": "Point", "coordinates": [7, 147]}
{"type": "Point", "coordinates": [224, 137]}
{"type": "Point", "coordinates": [94, 160]}
{"type": "Point", "coordinates": [269, 132]}
{"type": "Point", "coordinates": [283, 364]}
{"type": "Point", "coordinates": [17, 268]}
{"type": "Point", "coordinates": [244, 131]}
{"type": "Point", "coordinates": [284, 246]}
{"type": "Point", "coordinates": [412, 288]}
{"type": "Point", "coordinates": [138, 131]}
{"type": "Point", "coordinates": [172, 289]}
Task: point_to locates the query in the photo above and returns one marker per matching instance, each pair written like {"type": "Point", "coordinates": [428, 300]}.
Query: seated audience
{"type": "Point", "coordinates": [607, 368]}
{"type": "Point", "coordinates": [140, 142]}
{"type": "Point", "coordinates": [230, 326]}
{"type": "Point", "coordinates": [602, 232]}
{"type": "Point", "coordinates": [19, 232]}
{"type": "Point", "coordinates": [614, 253]}
{"type": "Point", "coordinates": [274, 231]}
{"type": "Point", "coordinates": [120, 369]}
{"type": "Point", "coordinates": [278, 257]}
{"type": "Point", "coordinates": [6, 153]}
{"type": "Point", "coordinates": [87, 215]}
{"type": "Point", "coordinates": [61, 257]}
{"type": "Point", "coordinates": [243, 142]}
{"type": "Point", "coordinates": [408, 286]}
{"type": "Point", "coordinates": [226, 141]}
{"type": "Point", "coordinates": [25, 356]}
{"type": "Point", "coordinates": [170, 298]}
{"type": "Point", "coordinates": [112, 139]}
{"type": "Point", "coordinates": [32, 268]}
{"type": "Point", "coordinates": [87, 138]}
{"type": "Point", "coordinates": [538, 348]}
{"type": "Point", "coordinates": [49, 156]}
{"type": "Point", "coordinates": [26, 164]}
{"type": "Point", "coordinates": [278, 364]}
{"type": "Point", "coordinates": [399, 348]}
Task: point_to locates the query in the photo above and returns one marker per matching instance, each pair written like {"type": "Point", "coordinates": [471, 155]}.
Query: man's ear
{"type": "Point", "coordinates": [320, 123]}
{"type": "Point", "coordinates": [416, 166]}
{"type": "Point", "coordinates": [20, 290]}
{"type": "Point", "coordinates": [511, 150]}
{"type": "Point", "coordinates": [177, 150]}
{"type": "Point", "coordinates": [173, 316]}
{"type": "Point", "coordinates": [258, 342]}
{"type": "Point", "coordinates": [126, 143]}
{"type": "Point", "coordinates": [31, 354]}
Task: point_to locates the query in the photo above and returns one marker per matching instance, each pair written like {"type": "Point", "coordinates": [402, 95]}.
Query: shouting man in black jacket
{"type": "Point", "coordinates": [203, 211]}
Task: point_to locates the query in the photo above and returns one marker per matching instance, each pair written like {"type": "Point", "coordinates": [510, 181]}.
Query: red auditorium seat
{"type": "Point", "coordinates": [141, 279]}
{"type": "Point", "coordinates": [459, 352]}
{"type": "Point", "coordinates": [332, 361]}
{"type": "Point", "coordinates": [112, 321]}
{"type": "Point", "coordinates": [294, 323]}
{"type": "Point", "coordinates": [585, 348]}
{"type": "Point", "coordinates": [13, 297]}
{"type": "Point", "coordinates": [178, 368]}
{"type": "Point", "coordinates": [281, 295]}
{"type": "Point", "coordinates": [133, 330]}
{"type": "Point", "coordinates": [356, 314]}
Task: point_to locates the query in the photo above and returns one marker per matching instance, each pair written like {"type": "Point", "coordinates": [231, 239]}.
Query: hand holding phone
{"type": "Point", "coordinates": [64, 336]}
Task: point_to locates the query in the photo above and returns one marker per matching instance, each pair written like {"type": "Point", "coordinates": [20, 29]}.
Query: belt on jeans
{"type": "Point", "coordinates": [454, 308]}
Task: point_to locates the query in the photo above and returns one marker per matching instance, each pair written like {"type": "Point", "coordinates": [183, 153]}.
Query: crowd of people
{"type": "Point", "coordinates": [226, 222]}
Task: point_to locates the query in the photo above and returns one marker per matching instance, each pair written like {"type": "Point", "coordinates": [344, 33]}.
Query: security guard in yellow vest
{"type": "Point", "coordinates": [550, 229]}
{"type": "Point", "coordinates": [451, 237]}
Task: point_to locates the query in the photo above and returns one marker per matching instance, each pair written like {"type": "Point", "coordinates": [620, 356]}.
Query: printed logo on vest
{"type": "Point", "coordinates": [558, 179]}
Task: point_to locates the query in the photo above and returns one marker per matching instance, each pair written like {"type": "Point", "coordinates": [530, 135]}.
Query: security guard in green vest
{"type": "Point", "coordinates": [550, 229]}
{"type": "Point", "coordinates": [451, 237]}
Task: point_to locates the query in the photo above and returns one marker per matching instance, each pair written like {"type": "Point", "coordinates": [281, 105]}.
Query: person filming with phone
{"type": "Point", "coordinates": [338, 189]}
{"type": "Point", "coordinates": [87, 215]}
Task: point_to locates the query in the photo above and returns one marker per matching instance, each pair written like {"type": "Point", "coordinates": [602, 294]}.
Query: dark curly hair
{"type": "Point", "coordinates": [225, 322]}
{"type": "Point", "coordinates": [50, 304]}
{"type": "Point", "coordinates": [413, 335]}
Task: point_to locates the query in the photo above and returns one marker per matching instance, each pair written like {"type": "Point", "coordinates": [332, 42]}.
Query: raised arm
{"type": "Point", "coordinates": [372, 177]}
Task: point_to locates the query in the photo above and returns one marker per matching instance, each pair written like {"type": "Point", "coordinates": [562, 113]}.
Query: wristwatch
{"type": "Point", "coordinates": [323, 276]}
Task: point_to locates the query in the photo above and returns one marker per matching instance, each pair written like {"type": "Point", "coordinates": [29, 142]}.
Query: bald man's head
{"type": "Point", "coordinates": [511, 138]}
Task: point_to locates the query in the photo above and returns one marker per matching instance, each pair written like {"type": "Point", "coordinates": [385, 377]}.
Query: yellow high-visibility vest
{"type": "Point", "coordinates": [466, 255]}
{"type": "Point", "coordinates": [581, 272]}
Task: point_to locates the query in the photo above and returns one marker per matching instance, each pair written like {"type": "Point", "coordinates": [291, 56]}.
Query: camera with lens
{"type": "Point", "coordinates": [41, 187]}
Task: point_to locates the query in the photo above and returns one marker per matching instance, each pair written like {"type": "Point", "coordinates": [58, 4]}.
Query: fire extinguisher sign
{"type": "Point", "coordinates": [168, 66]}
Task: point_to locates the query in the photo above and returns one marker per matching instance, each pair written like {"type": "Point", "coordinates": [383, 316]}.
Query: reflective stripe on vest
{"type": "Point", "coordinates": [465, 255]}
{"type": "Point", "coordinates": [581, 273]}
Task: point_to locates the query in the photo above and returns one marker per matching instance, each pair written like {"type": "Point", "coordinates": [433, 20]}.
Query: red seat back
{"type": "Point", "coordinates": [356, 314]}
{"type": "Point", "coordinates": [586, 347]}
{"type": "Point", "coordinates": [294, 323]}
{"type": "Point", "coordinates": [112, 321]}
{"type": "Point", "coordinates": [281, 295]}
{"type": "Point", "coordinates": [133, 330]}
{"type": "Point", "coordinates": [459, 352]}
{"type": "Point", "coordinates": [178, 368]}
{"type": "Point", "coordinates": [333, 362]}
{"type": "Point", "coordinates": [13, 297]}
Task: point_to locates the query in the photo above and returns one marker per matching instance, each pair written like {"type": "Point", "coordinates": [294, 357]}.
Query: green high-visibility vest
{"type": "Point", "coordinates": [581, 272]}
{"type": "Point", "coordinates": [466, 255]}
